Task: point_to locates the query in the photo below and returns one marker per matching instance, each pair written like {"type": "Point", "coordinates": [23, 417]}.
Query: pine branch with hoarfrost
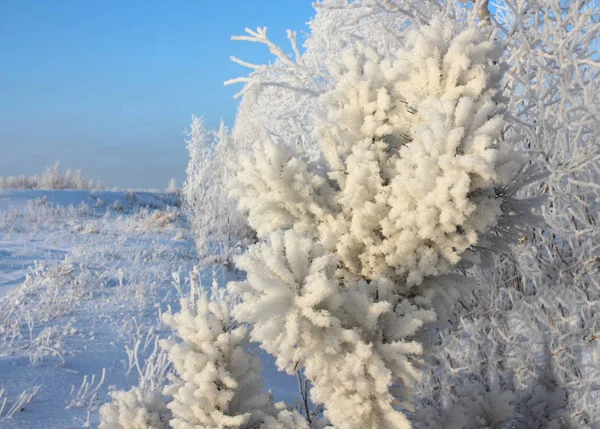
{"type": "Point", "coordinates": [412, 161]}
{"type": "Point", "coordinates": [277, 190]}
{"type": "Point", "coordinates": [353, 339]}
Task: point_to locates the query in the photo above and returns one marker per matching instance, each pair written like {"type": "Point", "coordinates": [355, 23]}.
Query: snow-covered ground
{"type": "Point", "coordinates": [84, 276]}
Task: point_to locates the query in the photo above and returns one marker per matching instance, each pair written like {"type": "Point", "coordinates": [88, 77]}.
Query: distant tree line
{"type": "Point", "coordinates": [52, 178]}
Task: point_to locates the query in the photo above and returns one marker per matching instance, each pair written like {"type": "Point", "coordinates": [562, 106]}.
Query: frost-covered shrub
{"type": "Point", "coordinates": [413, 176]}
{"type": "Point", "coordinates": [475, 405]}
{"type": "Point", "coordinates": [220, 231]}
{"type": "Point", "coordinates": [477, 385]}
{"type": "Point", "coordinates": [538, 307]}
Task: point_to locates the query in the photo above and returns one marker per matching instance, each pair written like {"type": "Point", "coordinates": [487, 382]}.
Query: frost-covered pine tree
{"type": "Point", "coordinates": [290, 191]}
{"type": "Point", "coordinates": [217, 384]}
{"type": "Point", "coordinates": [360, 246]}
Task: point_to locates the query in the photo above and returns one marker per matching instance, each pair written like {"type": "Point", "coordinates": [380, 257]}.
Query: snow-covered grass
{"type": "Point", "coordinates": [84, 277]}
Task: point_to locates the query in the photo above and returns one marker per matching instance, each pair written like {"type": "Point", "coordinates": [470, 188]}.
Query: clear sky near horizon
{"type": "Point", "coordinates": [109, 86]}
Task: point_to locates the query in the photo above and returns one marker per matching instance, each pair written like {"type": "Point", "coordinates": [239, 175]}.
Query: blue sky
{"type": "Point", "coordinates": [109, 86]}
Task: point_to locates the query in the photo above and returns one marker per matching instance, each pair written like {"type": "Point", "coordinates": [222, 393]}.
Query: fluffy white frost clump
{"type": "Point", "coordinates": [411, 159]}
{"type": "Point", "coordinates": [278, 190]}
{"type": "Point", "coordinates": [285, 419]}
{"type": "Point", "coordinates": [135, 409]}
{"type": "Point", "coordinates": [219, 384]}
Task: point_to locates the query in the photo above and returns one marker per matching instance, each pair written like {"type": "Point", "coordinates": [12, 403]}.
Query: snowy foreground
{"type": "Point", "coordinates": [83, 279]}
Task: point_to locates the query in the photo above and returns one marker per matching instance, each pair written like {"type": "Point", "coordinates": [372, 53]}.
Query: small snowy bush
{"type": "Point", "coordinates": [218, 384]}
